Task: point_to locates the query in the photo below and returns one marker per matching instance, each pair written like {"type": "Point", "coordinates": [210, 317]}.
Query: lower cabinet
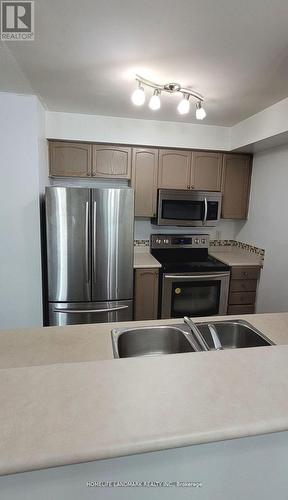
{"type": "Point", "coordinates": [243, 287]}
{"type": "Point", "coordinates": [146, 294]}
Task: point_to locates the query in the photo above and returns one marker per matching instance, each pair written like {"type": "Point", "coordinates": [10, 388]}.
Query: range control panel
{"type": "Point", "coordinates": [179, 240]}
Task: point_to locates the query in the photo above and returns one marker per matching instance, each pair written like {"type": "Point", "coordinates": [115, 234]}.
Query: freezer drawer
{"type": "Point", "coordinates": [71, 313]}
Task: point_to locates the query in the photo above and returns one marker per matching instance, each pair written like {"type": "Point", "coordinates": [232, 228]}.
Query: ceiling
{"type": "Point", "coordinates": [86, 53]}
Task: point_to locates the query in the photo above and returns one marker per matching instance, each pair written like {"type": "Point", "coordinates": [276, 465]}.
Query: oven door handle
{"type": "Point", "coordinates": [205, 211]}
{"type": "Point", "coordinates": [194, 277]}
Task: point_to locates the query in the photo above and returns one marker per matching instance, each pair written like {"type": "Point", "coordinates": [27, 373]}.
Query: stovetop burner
{"type": "Point", "coordinates": [210, 264]}
{"type": "Point", "coordinates": [185, 253]}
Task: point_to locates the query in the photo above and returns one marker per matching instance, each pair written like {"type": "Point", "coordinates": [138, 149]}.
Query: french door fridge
{"type": "Point", "coordinates": [89, 254]}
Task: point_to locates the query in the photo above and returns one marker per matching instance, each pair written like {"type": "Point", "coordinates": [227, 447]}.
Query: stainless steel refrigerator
{"type": "Point", "coordinates": [89, 254]}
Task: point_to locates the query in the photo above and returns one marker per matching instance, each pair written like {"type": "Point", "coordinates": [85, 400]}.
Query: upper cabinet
{"type": "Point", "coordinates": [190, 170]}
{"type": "Point", "coordinates": [153, 168]}
{"type": "Point", "coordinates": [174, 169]}
{"type": "Point", "coordinates": [236, 186]}
{"type": "Point", "coordinates": [111, 161]}
{"type": "Point", "coordinates": [206, 171]}
{"type": "Point", "coordinates": [76, 159]}
{"type": "Point", "coordinates": [70, 159]}
{"type": "Point", "coordinates": [144, 180]}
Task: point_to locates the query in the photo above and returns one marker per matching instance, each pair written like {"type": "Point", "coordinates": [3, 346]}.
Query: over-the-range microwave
{"type": "Point", "coordinates": [178, 207]}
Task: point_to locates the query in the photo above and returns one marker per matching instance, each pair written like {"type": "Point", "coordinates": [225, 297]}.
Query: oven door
{"type": "Point", "coordinates": [184, 208]}
{"type": "Point", "coordinates": [195, 294]}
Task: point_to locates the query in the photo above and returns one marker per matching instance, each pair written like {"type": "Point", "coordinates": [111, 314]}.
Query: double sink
{"type": "Point", "coordinates": [186, 337]}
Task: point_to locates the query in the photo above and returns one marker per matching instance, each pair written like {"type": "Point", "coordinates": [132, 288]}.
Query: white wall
{"type": "Point", "coordinates": [20, 259]}
{"type": "Point", "coordinates": [264, 126]}
{"type": "Point", "coordinates": [226, 229]}
{"type": "Point", "coordinates": [73, 126]}
{"type": "Point", "coordinates": [263, 130]}
{"type": "Point", "coordinates": [267, 226]}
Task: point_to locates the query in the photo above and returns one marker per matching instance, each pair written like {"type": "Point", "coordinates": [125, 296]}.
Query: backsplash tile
{"type": "Point", "coordinates": [141, 243]}
{"type": "Point", "coordinates": [238, 244]}
{"type": "Point", "coordinates": [217, 243]}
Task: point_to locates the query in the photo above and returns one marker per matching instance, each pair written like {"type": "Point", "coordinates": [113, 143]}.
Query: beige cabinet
{"type": "Point", "coordinates": [206, 171]}
{"type": "Point", "coordinates": [111, 161]}
{"type": "Point", "coordinates": [190, 170]}
{"type": "Point", "coordinates": [174, 169]}
{"type": "Point", "coordinates": [236, 186]}
{"type": "Point", "coordinates": [243, 289]}
{"type": "Point", "coordinates": [144, 180]}
{"type": "Point", "coordinates": [69, 159]}
{"type": "Point", "coordinates": [146, 294]}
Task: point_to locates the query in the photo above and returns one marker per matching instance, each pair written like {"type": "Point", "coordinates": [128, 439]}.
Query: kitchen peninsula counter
{"type": "Point", "coordinates": [64, 398]}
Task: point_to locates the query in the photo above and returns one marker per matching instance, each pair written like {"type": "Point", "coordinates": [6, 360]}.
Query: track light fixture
{"type": "Point", "coordinates": [200, 112]}
{"type": "Point", "coordinates": [155, 102]}
{"type": "Point", "coordinates": [184, 105]}
{"type": "Point", "coordinates": [138, 96]}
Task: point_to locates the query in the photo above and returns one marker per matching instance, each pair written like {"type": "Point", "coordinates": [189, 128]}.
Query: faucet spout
{"type": "Point", "coordinates": [196, 334]}
{"type": "Point", "coordinates": [216, 341]}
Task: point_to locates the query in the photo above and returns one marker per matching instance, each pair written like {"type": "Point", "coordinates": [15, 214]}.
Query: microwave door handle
{"type": "Point", "coordinates": [205, 212]}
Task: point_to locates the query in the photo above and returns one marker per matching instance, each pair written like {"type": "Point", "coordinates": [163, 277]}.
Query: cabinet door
{"type": "Point", "coordinates": [174, 169]}
{"type": "Point", "coordinates": [144, 181]}
{"type": "Point", "coordinates": [70, 159]}
{"type": "Point", "coordinates": [146, 294]}
{"type": "Point", "coordinates": [206, 171]}
{"type": "Point", "coordinates": [236, 186]}
{"type": "Point", "coordinates": [111, 161]}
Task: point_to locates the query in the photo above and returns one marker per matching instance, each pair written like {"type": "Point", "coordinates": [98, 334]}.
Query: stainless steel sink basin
{"type": "Point", "coordinates": [156, 340]}
{"type": "Point", "coordinates": [151, 341]}
{"type": "Point", "coordinates": [234, 334]}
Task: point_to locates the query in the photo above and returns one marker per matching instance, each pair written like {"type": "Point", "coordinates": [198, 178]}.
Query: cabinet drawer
{"type": "Point", "coordinates": [242, 297]}
{"type": "Point", "coordinates": [243, 286]}
{"type": "Point", "coordinates": [245, 273]}
{"type": "Point", "coordinates": [245, 309]}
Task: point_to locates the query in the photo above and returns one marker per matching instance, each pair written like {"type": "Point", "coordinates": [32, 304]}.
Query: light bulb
{"type": "Point", "coordinates": [138, 96]}
{"type": "Point", "coordinates": [155, 102]}
{"type": "Point", "coordinates": [184, 105]}
{"type": "Point", "coordinates": [200, 112]}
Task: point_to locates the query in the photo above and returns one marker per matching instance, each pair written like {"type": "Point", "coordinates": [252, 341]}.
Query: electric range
{"type": "Point", "coordinates": [192, 282]}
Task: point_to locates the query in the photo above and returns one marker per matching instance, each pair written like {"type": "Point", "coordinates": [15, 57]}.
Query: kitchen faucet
{"type": "Point", "coordinates": [196, 333]}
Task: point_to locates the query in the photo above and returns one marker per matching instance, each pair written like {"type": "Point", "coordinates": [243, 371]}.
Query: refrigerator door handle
{"type": "Point", "coordinates": [81, 311]}
{"type": "Point", "coordinates": [87, 263]}
{"type": "Point", "coordinates": [94, 240]}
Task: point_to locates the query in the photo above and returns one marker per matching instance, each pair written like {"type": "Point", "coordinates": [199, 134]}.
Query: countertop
{"type": "Point", "coordinates": [69, 412]}
{"type": "Point", "coordinates": [229, 255]}
{"type": "Point", "coordinates": [235, 256]}
{"type": "Point", "coordinates": [143, 259]}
